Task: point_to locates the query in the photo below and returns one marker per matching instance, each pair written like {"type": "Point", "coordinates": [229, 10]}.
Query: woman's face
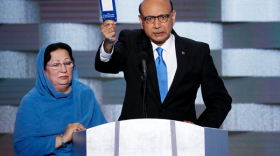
{"type": "Point", "coordinates": [61, 77]}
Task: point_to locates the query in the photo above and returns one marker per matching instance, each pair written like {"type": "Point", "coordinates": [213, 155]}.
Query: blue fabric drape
{"type": "Point", "coordinates": [44, 113]}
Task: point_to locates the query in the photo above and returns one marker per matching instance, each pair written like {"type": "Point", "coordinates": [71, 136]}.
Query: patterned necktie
{"type": "Point", "coordinates": [161, 74]}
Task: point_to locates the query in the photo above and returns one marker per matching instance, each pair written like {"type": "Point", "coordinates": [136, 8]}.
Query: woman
{"type": "Point", "coordinates": [57, 107]}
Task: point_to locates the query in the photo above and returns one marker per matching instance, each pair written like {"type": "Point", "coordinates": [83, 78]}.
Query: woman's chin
{"type": "Point", "coordinates": [64, 82]}
{"type": "Point", "coordinates": [62, 87]}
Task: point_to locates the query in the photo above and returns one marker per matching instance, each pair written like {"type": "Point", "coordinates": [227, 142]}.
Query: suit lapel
{"type": "Point", "coordinates": [182, 63]}
{"type": "Point", "coordinates": [146, 46]}
{"type": "Point", "coordinates": [182, 55]}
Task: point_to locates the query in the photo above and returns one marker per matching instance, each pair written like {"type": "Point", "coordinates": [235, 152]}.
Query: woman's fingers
{"type": "Point", "coordinates": [71, 128]}
{"type": "Point", "coordinates": [79, 126]}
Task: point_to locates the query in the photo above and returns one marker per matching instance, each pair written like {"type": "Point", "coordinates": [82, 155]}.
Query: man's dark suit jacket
{"type": "Point", "coordinates": [194, 68]}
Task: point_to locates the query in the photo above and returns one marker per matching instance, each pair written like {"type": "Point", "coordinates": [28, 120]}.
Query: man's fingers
{"type": "Point", "coordinates": [111, 22]}
{"type": "Point", "coordinates": [110, 30]}
{"type": "Point", "coordinates": [108, 24]}
{"type": "Point", "coordinates": [109, 33]}
{"type": "Point", "coordinates": [108, 27]}
{"type": "Point", "coordinates": [188, 122]}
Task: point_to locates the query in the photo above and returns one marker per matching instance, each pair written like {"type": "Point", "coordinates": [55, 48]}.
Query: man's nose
{"type": "Point", "coordinates": [157, 23]}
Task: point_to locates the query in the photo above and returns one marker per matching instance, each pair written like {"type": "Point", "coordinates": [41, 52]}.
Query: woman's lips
{"type": "Point", "coordinates": [63, 77]}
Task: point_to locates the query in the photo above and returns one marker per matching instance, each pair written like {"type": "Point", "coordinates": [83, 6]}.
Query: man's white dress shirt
{"type": "Point", "coordinates": [168, 54]}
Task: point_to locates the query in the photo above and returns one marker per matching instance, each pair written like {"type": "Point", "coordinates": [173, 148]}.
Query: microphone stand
{"type": "Point", "coordinates": [144, 83]}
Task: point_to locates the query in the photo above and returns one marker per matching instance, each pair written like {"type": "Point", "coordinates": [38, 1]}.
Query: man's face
{"type": "Point", "coordinates": [158, 32]}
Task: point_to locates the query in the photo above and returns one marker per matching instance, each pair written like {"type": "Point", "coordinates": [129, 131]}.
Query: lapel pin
{"type": "Point", "coordinates": [183, 53]}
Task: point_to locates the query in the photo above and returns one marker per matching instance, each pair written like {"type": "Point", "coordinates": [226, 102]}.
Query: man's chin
{"type": "Point", "coordinates": [159, 42]}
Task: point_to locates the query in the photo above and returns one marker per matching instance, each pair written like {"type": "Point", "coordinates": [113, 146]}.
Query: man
{"type": "Point", "coordinates": [177, 66]}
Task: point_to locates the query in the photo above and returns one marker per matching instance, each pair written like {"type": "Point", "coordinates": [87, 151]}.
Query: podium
{"type": "Point", "coordinates": [150, 137]}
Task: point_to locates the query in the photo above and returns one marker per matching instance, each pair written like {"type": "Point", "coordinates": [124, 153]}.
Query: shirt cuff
{"type": "Point", "coordinates": [105, 57]}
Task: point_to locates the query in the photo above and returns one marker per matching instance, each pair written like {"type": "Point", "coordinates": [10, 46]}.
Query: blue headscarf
{"type": "Point", "coordinates": [44, 113]}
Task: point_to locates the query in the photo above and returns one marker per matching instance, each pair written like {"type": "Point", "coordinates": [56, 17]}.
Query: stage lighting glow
{"type": "Point", "coordinates": [250, 62]}
{"type": "Point", "coordinates": [250, 10]}
{"type": "Point", "coordinates": [210, 33]}
{"type": "Point", "coordinates": [81, 37]}
{"type": "Point", "coordinates": [253, 117]}
{"type": "Point", "coordinates": [17, 64]}
{"type": "Point", "coordinates": [19, 11]}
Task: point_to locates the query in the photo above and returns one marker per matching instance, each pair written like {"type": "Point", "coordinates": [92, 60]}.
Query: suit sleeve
{"type": "Point", "coordinates": [215, 96]}
{"type": "Point", "coordinates": [118, 60]}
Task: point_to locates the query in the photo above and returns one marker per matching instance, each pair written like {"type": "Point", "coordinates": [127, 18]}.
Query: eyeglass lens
{"type": "Point", "coordinates": [59, 65]}
{"type": "Point", "coordinates": [161, 18]}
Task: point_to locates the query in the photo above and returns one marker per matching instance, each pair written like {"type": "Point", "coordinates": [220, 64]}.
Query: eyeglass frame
{"type": "Point", "coordinates": [154, 17]}
{"type": "Point", "coordinates": [60, 65]}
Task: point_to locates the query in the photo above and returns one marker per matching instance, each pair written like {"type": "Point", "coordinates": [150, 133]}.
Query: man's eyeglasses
{"type": "Point", "coordinates": [162, 18]}
{"type": "Point", "coordinates": [56, 66]}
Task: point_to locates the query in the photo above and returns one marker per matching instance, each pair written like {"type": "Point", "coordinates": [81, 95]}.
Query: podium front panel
{"type": "Point", "coordinates": [101, 140]}
{"type": "Point", "coordinates": [137, 139]}
{"type": "Point", "coordinates": [190, 139]}
{"type": "Point", "coordinates": [150, 137]}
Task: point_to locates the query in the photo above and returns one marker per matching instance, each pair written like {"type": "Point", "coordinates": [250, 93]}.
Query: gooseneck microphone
{"type": "Point", "coordinates": [144, 58]}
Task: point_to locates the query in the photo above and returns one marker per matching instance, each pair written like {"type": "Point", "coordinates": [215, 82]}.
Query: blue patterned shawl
{"type": "Point", "coordinates": [44, 113]}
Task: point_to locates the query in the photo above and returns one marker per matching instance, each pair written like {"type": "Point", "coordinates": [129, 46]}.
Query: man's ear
{"type": "Point", "coordinates": [174, 17]}
{"type": "Point", "coordinates": [141, 21]}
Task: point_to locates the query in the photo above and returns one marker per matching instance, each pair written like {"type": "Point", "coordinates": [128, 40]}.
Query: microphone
{"type": "Point", "coordinates": [144, 58]}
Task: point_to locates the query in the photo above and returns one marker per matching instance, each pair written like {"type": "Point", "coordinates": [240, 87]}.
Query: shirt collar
{"type": "Point", "coordinates": [167, 46]}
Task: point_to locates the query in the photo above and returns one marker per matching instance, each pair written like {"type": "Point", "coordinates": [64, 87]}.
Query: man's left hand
{"type": "Point", "coordinates": [188, 122]}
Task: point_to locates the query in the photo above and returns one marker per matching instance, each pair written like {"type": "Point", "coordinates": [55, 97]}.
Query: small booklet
{"type": "Point", "coordinates": [108, 10]}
